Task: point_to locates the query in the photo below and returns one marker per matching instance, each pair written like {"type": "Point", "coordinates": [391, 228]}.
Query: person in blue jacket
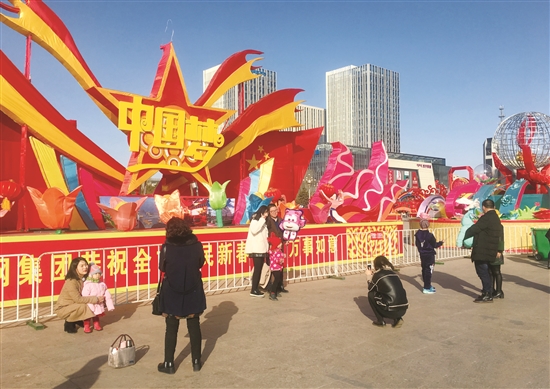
{"type": "Point", "coordinates": [426, 244]}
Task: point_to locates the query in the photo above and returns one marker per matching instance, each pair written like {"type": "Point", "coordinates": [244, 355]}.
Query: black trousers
{"type": "Point", "coordinates": [258, 265]}
{"type": "Point", "coordinates": [482, 270]}
{"type": "Point", "coordinates": [381, 313]}
{"type": "Point", "coordinates": [171, 337]}
{"type": "Point", "coordinates": [427, 262]}
{"type": "Point", "coordinates": [496, 277]}
{"type": "Point", "coordinates": [277, 281]}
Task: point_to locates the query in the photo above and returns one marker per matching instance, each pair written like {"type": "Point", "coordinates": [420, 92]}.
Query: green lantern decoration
{"type": "Point", "coordinates": [218, 199]}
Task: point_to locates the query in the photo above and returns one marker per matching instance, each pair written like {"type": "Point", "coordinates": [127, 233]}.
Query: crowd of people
{"type": "Point", "coordinates": [388, 298]}
{"type": "Point", "coordinates": [84, 297]}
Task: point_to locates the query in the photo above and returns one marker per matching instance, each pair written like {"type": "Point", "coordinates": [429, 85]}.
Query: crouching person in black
{"type": "Point", "coordinates": [387, 297]}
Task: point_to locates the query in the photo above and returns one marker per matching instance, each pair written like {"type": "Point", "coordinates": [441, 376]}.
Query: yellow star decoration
{"type": "Point", "coordinates": [253, 162]}
{"type": "Point", "coordinates": [266, 156]}
{"type": "Point", "coordinates": [260, 149]}
{"type": "Point", "coordinates": [167, 132]}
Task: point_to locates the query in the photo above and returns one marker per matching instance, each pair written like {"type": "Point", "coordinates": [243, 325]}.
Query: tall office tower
{"type": "Point", "coordinates": [488, 155]}
{"type": "Point", "coordinates": [363, 106]}
{"type": "Point", "coordinates": [309, 117]}
{"type": "Point", "coordinates": [244, 94]}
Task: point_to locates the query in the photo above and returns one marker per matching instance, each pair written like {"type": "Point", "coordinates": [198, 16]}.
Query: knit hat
{"type": "Point", "coordinates": [94, 269]}
{"type": "Point", "coordinates": [424, 223]}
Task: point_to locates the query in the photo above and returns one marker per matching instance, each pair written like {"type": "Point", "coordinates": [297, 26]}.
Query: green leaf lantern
{"type": "Point", "coordinates": [218, 199]}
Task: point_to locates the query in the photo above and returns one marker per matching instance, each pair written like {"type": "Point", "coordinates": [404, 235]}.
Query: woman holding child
{"type": "Point", "coordinates": [71, 305]}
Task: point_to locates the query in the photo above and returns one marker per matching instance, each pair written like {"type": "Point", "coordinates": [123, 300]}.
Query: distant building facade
{"type": "Point", "coordinates": [309, 117]}
{"type": "Point", "coordinates": [488, 153]}
{"type": "Point", "coordinates": [421, 171]}
{"type": "Point", "coordinates": [248, 92]}
{"type": "Point", "coordinates": [362, 105]}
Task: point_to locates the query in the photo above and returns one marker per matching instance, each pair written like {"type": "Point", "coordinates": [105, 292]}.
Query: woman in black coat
{"type": "Point", "coordinates": [182, 292]}
{"type": "Point", "coordinates": [387, 297]}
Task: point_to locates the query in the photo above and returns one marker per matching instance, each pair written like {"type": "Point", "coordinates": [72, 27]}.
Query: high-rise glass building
{"type": "Point", "coordinates": [363, 106]}
{"type": "Point", "coordinates": [248, 92]}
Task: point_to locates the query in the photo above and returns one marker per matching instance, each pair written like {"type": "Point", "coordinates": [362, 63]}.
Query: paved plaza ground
{"type": "Point", "coordinates": [317, 336]}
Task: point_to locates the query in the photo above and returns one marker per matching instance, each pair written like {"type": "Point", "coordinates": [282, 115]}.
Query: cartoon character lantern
{"type": "Point", "coordinates": [292, 223]}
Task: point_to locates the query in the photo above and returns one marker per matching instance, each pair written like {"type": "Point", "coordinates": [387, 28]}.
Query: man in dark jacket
{"type": "Point", "coordinates": [487, 234]}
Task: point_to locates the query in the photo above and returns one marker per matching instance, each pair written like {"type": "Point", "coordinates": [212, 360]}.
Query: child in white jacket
{"type": "Point", "coordinates": [93, 286]}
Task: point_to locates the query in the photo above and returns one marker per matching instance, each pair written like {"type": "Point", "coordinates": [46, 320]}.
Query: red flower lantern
{"type": "Point", "coordinates": [329, 190]}
{"type": "Point", "coordinates": [9, 191]}
{"type": "Point", "coordinates": [274, 193]}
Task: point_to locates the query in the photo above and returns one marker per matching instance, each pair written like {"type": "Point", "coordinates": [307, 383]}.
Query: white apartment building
{"type": "Point", "coordinates": [363, 106]}
{"type": "Point", "coordinates": [248, 92]}
{"type": "Point", "coordinates": [309, 117]}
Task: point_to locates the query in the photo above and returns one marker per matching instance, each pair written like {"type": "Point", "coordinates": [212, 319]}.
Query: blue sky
{"type": "Point", "coordinates": [458, 61]}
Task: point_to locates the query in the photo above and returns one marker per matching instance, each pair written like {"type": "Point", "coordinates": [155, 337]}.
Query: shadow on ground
{"type": "Point", "coordinates": [121, 312]}
{"type": "Point", "coordinates": [364, 306]}
{"type": "Point", "coordinates": [445, 281]}
{"type": "Point", "coordinates": [90, 369]}
{"type": "Point", "coordinates": [215, 325]}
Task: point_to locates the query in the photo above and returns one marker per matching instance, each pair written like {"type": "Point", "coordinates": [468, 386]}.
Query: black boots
{"type": "Point", "coordinates": [167, 367]}
{"type": "Point", "coordinates": [70, 327]}
{"type": "Point", "coordinates": [397, 323]}
{"type": "Point", "coordinates": [498, 295]}
{"type": "Point", "coordinates": [195, 338]}
{"type": "Point", "coordinates": [197, 364]}
{"type": "Point", "coordinates": [484, 298]}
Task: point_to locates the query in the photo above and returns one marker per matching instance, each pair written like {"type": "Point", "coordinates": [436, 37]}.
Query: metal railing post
{"type": "Point", "coordinates": [35, 295]}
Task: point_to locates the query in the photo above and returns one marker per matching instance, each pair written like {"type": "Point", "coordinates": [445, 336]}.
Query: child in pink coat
{"type": "Point", "coordinates": [276, 261]}
{"type": "Point", "coordinates": [93, 286]}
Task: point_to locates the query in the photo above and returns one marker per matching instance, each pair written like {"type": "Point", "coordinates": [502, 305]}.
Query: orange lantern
{"type": "Point", "coordinates": [123, 214]}
{"type": "Point", "coordinates": [54, 208]}
{"type": "Point", "coordinates": [169, 206]}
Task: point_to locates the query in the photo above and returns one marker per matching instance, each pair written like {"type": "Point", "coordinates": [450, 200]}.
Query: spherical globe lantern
{"type": "Point", "coordinates": [527, 128]}
{"type": "Point", "coordinates": [483, 173]}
